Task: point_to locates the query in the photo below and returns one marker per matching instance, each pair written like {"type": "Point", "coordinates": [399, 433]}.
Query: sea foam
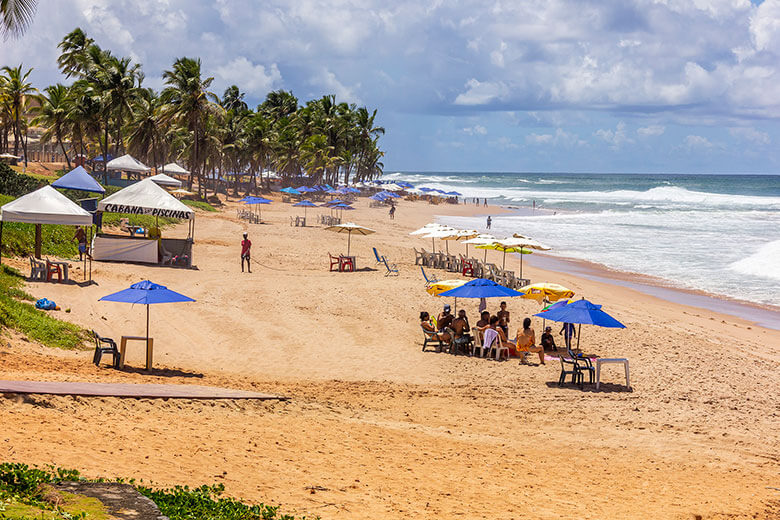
{"type": "Point", "coordinates": [764, 263]}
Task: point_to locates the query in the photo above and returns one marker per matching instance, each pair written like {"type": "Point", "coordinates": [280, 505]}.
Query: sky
{"type": "Point", "coordinates": [673, 86]}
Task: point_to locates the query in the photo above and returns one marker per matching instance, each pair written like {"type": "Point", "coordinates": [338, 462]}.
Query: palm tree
{"type": "Point", "coordinates": [188, 102]}
{"type": "Point", "coordinates": [18, 92]}
{"type": "Point", "coordinates": [117, 80]}
{"type": "Point", "coordinates": [53, 115]}
{"type": "Point", "coordinates": [16, 16]}
{"type": "Point", "coordinates": [145, 130]}
{"type": "Point", "coordinates": [72, 59]}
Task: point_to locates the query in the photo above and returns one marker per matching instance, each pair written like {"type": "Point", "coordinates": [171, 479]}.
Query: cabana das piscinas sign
{"type": "Point", "coordinates": [138, 210]}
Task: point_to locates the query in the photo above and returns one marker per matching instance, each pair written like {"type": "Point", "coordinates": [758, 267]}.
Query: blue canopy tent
{"type": "Point", "coordinates": [581, 312]}
{"type": "Point", "coordinates": [146, 293]}
{"type": "Point", "coordinates": [480, 288]}
{"type": "Point", "coordinates": [78, 179]}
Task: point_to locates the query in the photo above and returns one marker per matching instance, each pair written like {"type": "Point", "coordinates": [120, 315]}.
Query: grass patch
{"type": "Point", "coordinates": [16, 313]}
{"type": "Point", "coordinates": [19, 238]}
{"type": "Point", "coordinates": [21, 485]}
{"type": "Point", "coordinates": [199, 204]}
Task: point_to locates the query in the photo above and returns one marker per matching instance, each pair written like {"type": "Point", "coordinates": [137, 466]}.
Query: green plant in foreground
{"type": "Point", "coordinates": [36, 324]}
{"type": "Point", "coordinates": [20, 483]}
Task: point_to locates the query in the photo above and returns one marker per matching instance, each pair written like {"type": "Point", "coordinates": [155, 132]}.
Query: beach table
{"type": "Point", "coordinates": [123, 349]}
{"type": "Point", "coordinates": [604, 361]}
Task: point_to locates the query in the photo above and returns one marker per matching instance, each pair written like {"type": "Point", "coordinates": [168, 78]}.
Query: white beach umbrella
{"type": "Point", "coordinates": [350, 227]}
{"type": "Point", "coordinates": [462, 235]}
{"type": "Point", "coordinates": [481, 240]}
{"type": "Point", "coordinates": [427, 228]}
{"type": "Point", "coordinates": [441, 232]}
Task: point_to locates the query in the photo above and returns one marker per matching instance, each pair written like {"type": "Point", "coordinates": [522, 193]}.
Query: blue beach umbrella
{"type": "Point", "coordinates": [291, 191]}
{"type": "Point", "coordinates": [378, 197]}
{"type": "Point", "coordinates": [256, 201]}
{"type": "Point", "coordinates": [581, 312]}
{"type": "Point", "coordinates": [305, 204]}
{"type": "Point", "coordinates": [480, 288]}
{"type": "Point", "coordinates": [146, 293]}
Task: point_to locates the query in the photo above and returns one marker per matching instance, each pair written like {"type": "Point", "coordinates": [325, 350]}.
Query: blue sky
{"type": "Point", "coordinates": [543, 85]}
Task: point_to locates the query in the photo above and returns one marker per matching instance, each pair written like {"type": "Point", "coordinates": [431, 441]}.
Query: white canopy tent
{"type": "Point", "coordinates": [43, 206]}
{"type": "Point", "coordinates": [165, 180]}
{"type": "Point", "coordinates": [174, 168]}
{"type": "Point", "coordinates": [127, 163]}
{"type": "Point", "coordinates": [144, 198]}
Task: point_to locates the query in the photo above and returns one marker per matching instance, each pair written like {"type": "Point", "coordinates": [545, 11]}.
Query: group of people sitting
{"type": "Point", "coordinates": [448, 328]}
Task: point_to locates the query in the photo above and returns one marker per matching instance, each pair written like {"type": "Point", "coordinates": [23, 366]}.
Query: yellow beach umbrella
{"type": "Point", "coordinates": [546, 291]}
{"type": "Point", "coordinates": [517, 244]}
{"type": "Point", "coordinates": [436, 288]}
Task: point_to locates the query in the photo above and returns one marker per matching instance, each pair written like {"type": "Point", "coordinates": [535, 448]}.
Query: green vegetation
{"type": "Point", "coordinates": [199, 204]}
{"type": "Point", "coordinates": [16, 313]}
{"type": "Point", "coordinates": [16, 184]}
{"type": "Point", "coordinates": [22, 487]}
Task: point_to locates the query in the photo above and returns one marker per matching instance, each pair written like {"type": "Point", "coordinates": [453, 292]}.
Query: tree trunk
{"type": "Point", "coordinates": [62, 146]}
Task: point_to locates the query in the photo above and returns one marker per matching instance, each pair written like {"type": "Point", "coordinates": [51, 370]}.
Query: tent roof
{"type": "Point", "coordinates": [147, 198]}
{"type": "Point", "coordinates": [165, 180]}
{"type": "Point", "coordinates": [127, 163]}
{"type": "Point", "coordinates": [174, 168]}
{"type": "Point", "coordinates": [45, 206]}
{"type": "Point", "coordinates": [78, 179]}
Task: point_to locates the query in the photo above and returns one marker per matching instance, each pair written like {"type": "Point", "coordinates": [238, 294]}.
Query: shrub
{"type": "Point", "coordinates": [16, 184]}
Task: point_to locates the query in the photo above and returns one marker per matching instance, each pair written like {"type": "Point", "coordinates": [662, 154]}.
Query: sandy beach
{"type": "Point", "coordinates": [376, 428]}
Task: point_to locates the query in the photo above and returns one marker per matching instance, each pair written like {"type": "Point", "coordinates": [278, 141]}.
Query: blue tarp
{"type": "Point", "coordinates": [78, 179]}
{"type": "Point", "coordinates": [481, 288]}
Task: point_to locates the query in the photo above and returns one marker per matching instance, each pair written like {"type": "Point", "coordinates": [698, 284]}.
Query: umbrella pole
{"type": "Point", "coordinates": [147, 327]}
{"type": "Point", "coordinates": [579, 332]}
{"type": "Point", "coordinates": [503, 261]}
{"type": "Point", "coordinates": [349, 241]}
{"type": "Point", "coordinates": [485, 260]}
{"type": "Point", "coordinates": [521, 262]}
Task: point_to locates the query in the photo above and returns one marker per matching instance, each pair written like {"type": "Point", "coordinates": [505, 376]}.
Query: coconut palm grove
{"type": "Point", "coordinates": [102, 108]}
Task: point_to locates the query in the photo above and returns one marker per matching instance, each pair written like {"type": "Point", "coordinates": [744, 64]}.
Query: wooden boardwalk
{"type": "Point", "coordinates": [151, 391]}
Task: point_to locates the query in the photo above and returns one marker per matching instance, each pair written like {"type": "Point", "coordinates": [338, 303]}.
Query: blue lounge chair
{"type": "Point", "coordinates": [430, 280]}
{"type": "Point", "coordinates": [376, 255]}
{"type": "Point", "coordinates": [391, 270]}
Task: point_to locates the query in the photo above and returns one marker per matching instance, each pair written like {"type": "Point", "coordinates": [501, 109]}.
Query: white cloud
{"type": "Point", "coordinates": [504, 143]}
{"type": "Point", "coordinates": [257, 80]}
{"type": "Point", "coordinates": [479, 93]}
{"type": "Point", "coordinates": [765, 26]}
{"type": "Point", "coordinates": [651, 130]}
{"type": "Point", "coordinates": [697, 141]}
{"type": "Point", "coordinates": [616, 137]}
{"type": "Point", "coordinates": [751, 135]}
{"type": "Point", "coordinates": [328, 80]}
{"type": "Point", "coordinates": [560, 137]}
{"type": "Point", "coordinates": [497, 56]}
{"type": "Point", "coordinates": [475, 130]}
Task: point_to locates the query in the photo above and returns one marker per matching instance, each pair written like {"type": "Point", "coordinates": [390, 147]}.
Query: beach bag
{"type": "Point", "coordinates": [45, 304]}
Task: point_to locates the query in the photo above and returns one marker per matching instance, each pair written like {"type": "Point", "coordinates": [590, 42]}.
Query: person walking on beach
{"type": "Point", "coordinates": [568, 332]}
{"type": "Point", "coordinates": [489, 221]}
{"type": "Point", "coordinates": [392, 211]}
{"type": "Point", "coordinates": [485, 203]}
{"type": "Point", "coordinates": [246, 246]}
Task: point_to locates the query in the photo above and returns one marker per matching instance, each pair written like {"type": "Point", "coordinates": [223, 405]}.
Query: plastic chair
{"type": "Point", "coordinates": [468, 268]}
{"type": "Point", "coordinates": [346, 264]}
{"type": "Point", "coordinates": [110, 348]}
{"type": "Point", "coordinates": [428, 337]}
{"type": "Point", "coordinates": [334, 262]}
{"type": "Point", "coordinates": [37, 269]}
{"type": "Point", "coordinates": [582, 364]}
{"type": "Point", "coordinates": [492, 341]}
{"type": "Point", "coordinates": [419, 258]}
{"type": "Point", "coordinates": [51, 269]}
{"type": "Point", "coordinates": [576, 375]}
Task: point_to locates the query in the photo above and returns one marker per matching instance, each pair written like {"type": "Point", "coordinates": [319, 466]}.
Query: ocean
{"type": "Point", "coordinates": [716, 233]}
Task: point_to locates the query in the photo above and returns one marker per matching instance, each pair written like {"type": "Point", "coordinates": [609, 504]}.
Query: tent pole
{"type": "Point", "coordinates": [38, 240]}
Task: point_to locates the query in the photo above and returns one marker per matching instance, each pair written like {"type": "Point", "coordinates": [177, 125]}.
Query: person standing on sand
{"type": "Point", "coordinates": [485, 203]}
{"type": "Point", "coordinates": [503, 318]}
{"type": "Point", "coordinates": [568, 332]}
{"type": "Point", "coordinates": [81, 238]}
{"type": "Point", "coordinates": [489, 221]}
{"type": "Point", "coordinates": [392, 211]}
{"type": "Point", "coordinates": [246, 246]}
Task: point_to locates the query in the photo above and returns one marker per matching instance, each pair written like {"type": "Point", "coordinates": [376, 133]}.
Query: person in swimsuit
{"type": "Point", "coordinates": [461, 328]}
{"type": "Point", "coordinates": [526, 341]}
{"type": "Point", "coordinates": [503, 318]}
{"type": "Point", "coordinates": [425, 322]}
